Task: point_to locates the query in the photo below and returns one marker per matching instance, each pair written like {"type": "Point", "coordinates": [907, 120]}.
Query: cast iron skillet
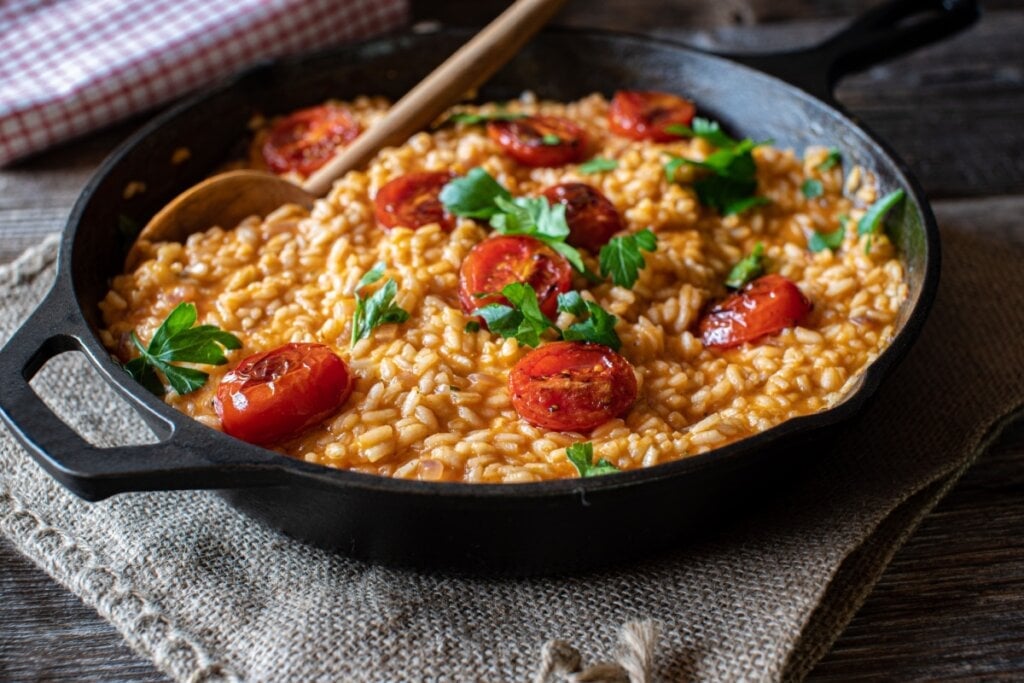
{"type": "Point", "coordinates": [543, 527]}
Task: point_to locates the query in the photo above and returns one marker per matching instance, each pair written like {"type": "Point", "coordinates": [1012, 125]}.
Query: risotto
{"type": "Point", "coordinates": [427, 392]}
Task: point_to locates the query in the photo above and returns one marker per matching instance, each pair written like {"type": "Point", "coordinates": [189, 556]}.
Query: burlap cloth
{"type": "Point", "coordinates": [210, 595]}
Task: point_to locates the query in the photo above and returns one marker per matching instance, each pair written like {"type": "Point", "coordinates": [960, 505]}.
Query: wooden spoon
{"type": "Point", "coordinates": [228, 198]}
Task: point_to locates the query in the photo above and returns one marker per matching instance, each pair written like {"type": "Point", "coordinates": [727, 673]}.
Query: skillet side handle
{"type": "Point", "coordinates": [882, 33]}
{"type": "Point", "coordinates": [91, 472]}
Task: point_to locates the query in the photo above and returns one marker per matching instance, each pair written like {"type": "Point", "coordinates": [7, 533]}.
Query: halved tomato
{"type": "Point", "coordinates": [306, 139]}
{"type": "Point", "coordinates": [572, 386]}
{"type": "Point", "coordinates": [540, 140]}
{"type": "Point", "coordinates": [274, 395]}
{"type": "Point", "coordinates": [643, 115]}
{"type": "Point", "coordinates": [504, 259]}
{"type": "Point", "coordinates": [767, 305]}
{"type": "Point", "coordinates": [592, 218]}
{"type": "Point", "coordinates": [412, 201]}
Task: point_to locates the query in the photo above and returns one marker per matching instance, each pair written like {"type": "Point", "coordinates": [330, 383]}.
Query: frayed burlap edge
{"type": "Point", "coordinates": [861, 570]}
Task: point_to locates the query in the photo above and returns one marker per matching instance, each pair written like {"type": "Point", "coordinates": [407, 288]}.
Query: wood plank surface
{"type": "Point", "coordinates": [950, 604]}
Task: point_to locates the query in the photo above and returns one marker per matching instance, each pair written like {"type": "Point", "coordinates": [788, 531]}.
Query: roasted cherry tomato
{"type": "Point", "coordinates": [767, 305]}
{"type": "Point", "coordinates": [305, 140]}
{"type": "Point", "coordinates": [540, 140]}
{"type": "Point", "coordinates": [591, 217]}
{"type": "Point", "coordinates": [572, 386]}
{"type": "Point", "coordinates": [504, 259]}
{"type": "Point", "coordinates": [272, 396]}
{"type": "Point", "coordinates": [412, 201]}
{"type": "Point", "coordinates": [644, 115]}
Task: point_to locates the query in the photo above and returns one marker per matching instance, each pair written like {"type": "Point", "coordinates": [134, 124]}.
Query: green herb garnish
{"type": "Point", "coordinates": [833, 240]}
{"type": "Point", "coordinates": [581, 455]}
{"type": "Point", "coordinates": [177, 341]}
{"type": "Point", "coordinates": [550, 140]}
{"type": "Point", "coordinates": [834, 157]}
{"type": "Point", "coordinates": [521, 319]}
{"type": "Point", "coordinates": [749, 267]}
{"type": "Point", "coordinates": [812, 188]}
{"type": "Point", "coordinates": [473, 195]}
{"type": "Point", "coordinates": [596, 324]}
{"type": "Point", "coordinates": [621, 257]}
{"type": "Point", "coordinates": [379, 308]}
{"type": "Point", "coordinates": [597, 165]}
{"type": "Point", "coordinates": [672, 167]}
{"type": "Point", "coordinates": [704, 128]}
{"type": "Point", "coordinates": [472, 326]}
{"type": "Point", "coordinates": [479, 195]}
{"type": "Point", "coordinates": [872, 221]}
{"type": "Point", "coordinates": [730, 186]}
{"type": "Point", "coordinates": [474, 119]}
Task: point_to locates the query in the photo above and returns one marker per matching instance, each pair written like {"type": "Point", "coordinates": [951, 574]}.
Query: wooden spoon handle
{"type": "Point", "coordinates": [469, 67]}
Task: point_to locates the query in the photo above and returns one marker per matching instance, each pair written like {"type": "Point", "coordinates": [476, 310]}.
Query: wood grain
{"type": "Point", "coordinates": [950, 604]}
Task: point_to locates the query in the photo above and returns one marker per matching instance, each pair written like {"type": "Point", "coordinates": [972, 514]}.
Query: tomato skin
{"type": "Point", "coordinates": [643, 115]}
{"type": "Point", "coordinates": [306, 139]}
{"type": "Point", "coordinates": [592, 218]}
{"type": "Point", "coordinates": [411, 201]}
{"type": "Point", "coordinates": [765, 306]}
{"type": "Point", "coordinates": [274, 395]}
{"type": "Point", "coordinates": [523, 140]}
{"type": "Point", "coordinates": [504, 259]}
{"type": "Point", "coordinates": [572, 386]}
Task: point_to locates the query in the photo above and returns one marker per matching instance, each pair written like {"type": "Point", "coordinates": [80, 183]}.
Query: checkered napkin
{"type": "Point", "coordinates": [71, 66]}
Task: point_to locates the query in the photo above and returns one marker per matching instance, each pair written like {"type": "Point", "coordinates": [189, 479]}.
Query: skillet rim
{"type": "Point", "coordinates": [732, 454]}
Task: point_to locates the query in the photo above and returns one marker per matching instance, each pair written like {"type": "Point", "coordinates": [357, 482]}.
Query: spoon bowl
{"type": "Point", "coordinates": [225, 199]}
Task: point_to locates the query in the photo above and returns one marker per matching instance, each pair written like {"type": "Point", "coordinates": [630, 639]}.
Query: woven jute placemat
{"type": "Point", "coordinates": [209, 595]}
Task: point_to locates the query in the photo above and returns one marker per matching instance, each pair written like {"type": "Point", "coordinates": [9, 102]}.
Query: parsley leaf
{"type": "Point", "coordinates": [704, 128]}
{"type": "Point", "coordinates": [833, 240]}
{"type": "Point", "coordinates": [377, 309]}
{"type": "Point", "coordinates": [474, 119]}
{"type": "Point", "coordinates": [581, 455]}
{"type": "Point", "coordinates": [550, 140]}
{"type": "Point", "coordinates": [473, 195]}
{"type": "Point", "coordinates": [872, 222]}
{"type": "Point", "coordinates": [597, 165]}
{"type": "Point", "coordinates": [834, 157]}
{"type": "Point", "coordinates": [732, 182]}
{"type": "Point", "coordinates": [535, 217]}
{"type": "Point", "coordinates": [746, 269]}
{"type": "Point", "coordinates": [472, 326]}
{"type": "Point", "coordinates": [522, 319]}
{"type": "Point", "coordinates": [479, 195]}
{"type": "Point", "coordinates": [597, 325]}
{"type": "Point", "coordinates": [532, 216]}
{"type": "Point", "coordinates": [621, 257]}
{"type": "Point", "coordinates": [176, 340]}
{"type": "Point", "coordinates": [672, 167]}
{"type": "Point", "coordinates": [741, 204]}
{"type": "Point", "coordinates": [812, 188]}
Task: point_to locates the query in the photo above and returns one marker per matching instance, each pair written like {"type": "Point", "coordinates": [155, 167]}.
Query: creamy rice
{"type": "Point", "coordinates": [431, 400]}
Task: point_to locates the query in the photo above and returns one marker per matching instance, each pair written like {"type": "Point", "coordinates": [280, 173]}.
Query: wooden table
{"type": "Point", "coordinates": [952, 602]}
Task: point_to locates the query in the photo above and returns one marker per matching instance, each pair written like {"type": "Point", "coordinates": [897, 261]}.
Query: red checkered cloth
{"type": "Point", "coordinates": [71, 66]}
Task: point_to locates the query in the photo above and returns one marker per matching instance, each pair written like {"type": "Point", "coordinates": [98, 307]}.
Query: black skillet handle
{"type": "Point", "coordinates": [93, 473]}
{"type": "Point", "coordinates": [882, 33]}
